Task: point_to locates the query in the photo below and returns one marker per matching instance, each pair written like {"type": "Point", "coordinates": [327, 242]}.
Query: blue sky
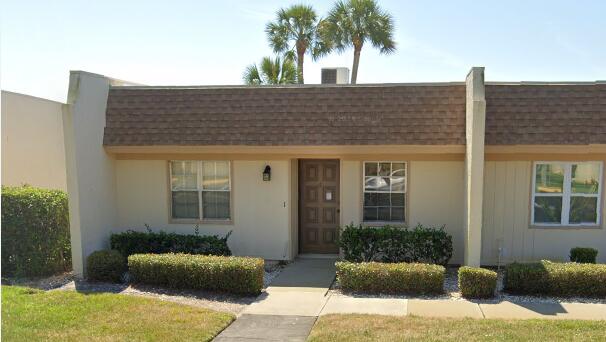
{"type": "Point", "coordinates": [211, 42]}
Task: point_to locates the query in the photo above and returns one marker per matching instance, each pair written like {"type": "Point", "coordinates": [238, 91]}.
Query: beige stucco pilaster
{"type": "Point", "coordinates": [90, 170]}
{"type": "Point", "coordinates": [474, 165]}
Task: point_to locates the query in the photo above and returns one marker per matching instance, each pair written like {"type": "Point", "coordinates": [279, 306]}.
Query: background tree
{"type": "Point", "coordinates": [352, 23]}
{"type": "Point", "coordinates": [294, 32]}
{"type": "Point", "coordinates": [271, 71]}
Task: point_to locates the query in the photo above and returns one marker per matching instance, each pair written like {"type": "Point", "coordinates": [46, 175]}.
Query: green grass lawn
{"type": "Point", "coordinates": [388, 328]}
{"type": "Point", "coordinates": [34, 315]}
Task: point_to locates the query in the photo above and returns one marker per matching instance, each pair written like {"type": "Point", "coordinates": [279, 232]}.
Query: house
{"type": "Point", "coordinates": [513, 171]}
{"type": "Point", "coordinates": [33, 151]}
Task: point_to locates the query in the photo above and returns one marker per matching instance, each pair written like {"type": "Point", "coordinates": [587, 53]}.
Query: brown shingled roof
{"type": "Point", "coordinates": [293, 115]}
{"type": "Point", "coordinates": [390, 114]}
{"type": "Point", "coordinates": [549, 114]}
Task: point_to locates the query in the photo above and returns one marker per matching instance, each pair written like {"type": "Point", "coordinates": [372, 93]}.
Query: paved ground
{"type": "Point", "coordinates": [267, 328]}
{"type": "Point", "coordinates": [288, 309]}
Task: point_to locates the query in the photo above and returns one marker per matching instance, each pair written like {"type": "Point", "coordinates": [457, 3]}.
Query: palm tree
{"type": "Point", "coordinates": [271, 71]}
{"type": "Point", "coordinates": [295, 33]}
{"type": "Point", "coordinates": [351, 23]}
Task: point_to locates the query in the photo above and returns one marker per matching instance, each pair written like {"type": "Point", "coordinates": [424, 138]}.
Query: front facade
{"type": "Point", "coordinates": [512, 171]}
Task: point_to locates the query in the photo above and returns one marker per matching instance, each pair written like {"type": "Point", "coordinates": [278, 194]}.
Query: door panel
{"type": "Point", "coordinates": [318, 205]}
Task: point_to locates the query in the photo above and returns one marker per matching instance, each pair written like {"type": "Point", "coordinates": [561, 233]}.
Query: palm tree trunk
{"type": "Point", "coordinates": [300, 56]}
{"type": "Point", "coordinates": [356, 62]}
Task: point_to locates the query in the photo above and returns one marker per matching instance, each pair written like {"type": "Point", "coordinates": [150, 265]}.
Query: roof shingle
{"type": "Point", "coordinates": [524, 114]}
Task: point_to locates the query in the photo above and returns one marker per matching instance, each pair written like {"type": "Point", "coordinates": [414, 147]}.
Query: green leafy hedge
{"type": "Point", "coordinates": [558, 279]}
{"type": "Point", "coordinates": [105, 266]}
{"type": "Point", "coordinates": [476, 282]}
{"type": "Point", "coordinates": [584, 255]}
{"type": "Point", "coordinates": [394, 244]}
{"type": "Point", "coordinates": [230, 274]}
{"type": "Point", "coordinates": [35, 232]}
{"type": "Point", "coordinates": [132, 242]}
{"type": "Point", "coordinates": [376, 277]}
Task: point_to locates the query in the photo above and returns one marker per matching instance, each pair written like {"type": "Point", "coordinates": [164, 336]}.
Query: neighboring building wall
{"type": "Point", "coordinates": [32, 142]}
{"type": "Point", "coordinates": [506, 224]}
{"type": "Point", "coordinates": [434, 194]}
{"type": "Point", "coordinates": [262, 210]}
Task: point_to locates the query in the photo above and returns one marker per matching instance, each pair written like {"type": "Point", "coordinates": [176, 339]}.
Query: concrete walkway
{"type": "Point", "coordinates": [288, 309]}
{"type": "Point", "coordinates": [464, 308]}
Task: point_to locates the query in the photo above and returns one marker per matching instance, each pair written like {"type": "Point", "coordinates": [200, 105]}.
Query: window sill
{"type": "Point", "coordinates": [383, 223]}
{"type": "Point", "coordinates": [566, 227]}
{"type": "Point", "coordinates": [200, 222]}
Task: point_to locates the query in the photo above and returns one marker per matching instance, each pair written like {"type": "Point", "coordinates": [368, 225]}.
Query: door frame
{"type": "Point", "coordinates": [299, 202]}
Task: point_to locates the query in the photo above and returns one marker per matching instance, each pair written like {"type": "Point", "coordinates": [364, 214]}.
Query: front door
{"type": "Point", "coordinates": [318, 205]}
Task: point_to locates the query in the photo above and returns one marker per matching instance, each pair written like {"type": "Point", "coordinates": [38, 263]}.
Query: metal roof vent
{"type": "Point", "coordinates": [335, 75]}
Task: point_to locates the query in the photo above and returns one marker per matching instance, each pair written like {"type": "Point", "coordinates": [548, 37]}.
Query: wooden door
{"type": "Point", "coordinates": [318, 206]}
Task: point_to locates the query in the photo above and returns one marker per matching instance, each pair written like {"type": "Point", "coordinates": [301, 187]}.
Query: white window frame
{"type": "Point", "coordinates": [566, 195]}
{"type": "Point", "coordinates": [389, 192]}
{"type": "Point", "coordinates": [199, 188]}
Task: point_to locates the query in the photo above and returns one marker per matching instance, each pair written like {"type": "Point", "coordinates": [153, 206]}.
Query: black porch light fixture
{"type": "Point", "coordinates": [267, 173]}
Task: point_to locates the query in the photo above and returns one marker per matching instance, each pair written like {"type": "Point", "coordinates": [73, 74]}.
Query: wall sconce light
{"type": "Point", "coordinates": [267, 174]}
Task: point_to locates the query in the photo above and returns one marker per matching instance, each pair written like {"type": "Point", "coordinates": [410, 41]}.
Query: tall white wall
{"type": "Point", "coordinates": [32, 142]}
{"type": "Point", "coordinates": [262, 210]}
{"type": "Point", "coordinates": [90, 170]}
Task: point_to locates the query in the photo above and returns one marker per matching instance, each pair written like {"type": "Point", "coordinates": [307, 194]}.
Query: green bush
{"type": "Point", "coordinates": [230, 274]}
{"type": "Point", "coordinates": [105, 266]}
{"type": "Point", "coordinates": [376, 277]}
{"type": "Point", "coordinates": [558, 279]}
{"type": "Point", "coordinates": [132, 242]}
{"type": "Point", "coordinates": [394, 244]}
{"type": "Point", "coordinates": [584, 255]}
{"type": "Point", "coordinates": [35, 232]}
{"type": "Point", "coordinates": [476, 282]}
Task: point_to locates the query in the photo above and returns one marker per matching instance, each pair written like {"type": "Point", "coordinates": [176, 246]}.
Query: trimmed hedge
{"type": "Point", "coordinates": [476, 282]}
{"type": "Point", "coordinates": [132, 242]}
{"type": "Point", "coordinates": [557, 279]}
{"type": "Point", "coordinates": [584, 255]}
{"type": "Point", "coordinates": [375, 277]}
{"type": "Point", "coordinates": [220, 273]}
{"type": "Point", "coordinates": [105, 266]}
{"type": "Point", "coordinates": [35, 232]}
{"type": "Point", "coordinates": [394, 244]}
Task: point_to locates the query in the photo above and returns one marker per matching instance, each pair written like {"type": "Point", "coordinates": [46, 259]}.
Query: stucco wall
{"type": "Point", "coordinates": [435, 197]}
{"type": "Point", "coordinates": [506, 221]}
{"type": "Point", "coordinates": [261, 222]}
{"type": "Point", "coordinates": [90, 170]}
{"type": "Point", "coordinates": [32, 142]}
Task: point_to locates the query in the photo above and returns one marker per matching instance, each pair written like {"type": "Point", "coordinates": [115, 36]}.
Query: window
{"type": "Point", "coordinates": [384, 191]}
{"type": "Point", "coordinates": [200, 190]}
{"type": "Point", "coordinates": [566, 193]}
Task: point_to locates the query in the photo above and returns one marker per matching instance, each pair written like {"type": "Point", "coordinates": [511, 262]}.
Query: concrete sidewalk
{"type": "Point", "coordinates": [464, 308]}
{"type": "Point", "coordinates": [299, 290]}
{"type": "Point", "coordinates": [288, 309]}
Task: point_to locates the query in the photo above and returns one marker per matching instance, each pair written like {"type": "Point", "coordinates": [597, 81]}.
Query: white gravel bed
{"type": "Point", "coordinates": [218, 301]}
{"type": "Point", "coordinates": [451, 292]}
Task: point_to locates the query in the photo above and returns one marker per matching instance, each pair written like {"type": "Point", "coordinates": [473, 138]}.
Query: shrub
{"type": "Point", "coordinates": [132, 242]}
{"type": "Point", "coordinates": [584, 255]}
{"type": "Point", "coordinates": [230, 274]}
{"type": "Point", "coordinates": [558, 279]}
{"type": "Point", "coordinates": [476, 282]}
{"type": "Point", "coordinates": [105, 266]}
{"type": "Point", "coordinates": [394, 244]}
{"type": "Point", "coordinates": [35, 232]}
{"type": "Point", "coordinates": [375, 277]}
